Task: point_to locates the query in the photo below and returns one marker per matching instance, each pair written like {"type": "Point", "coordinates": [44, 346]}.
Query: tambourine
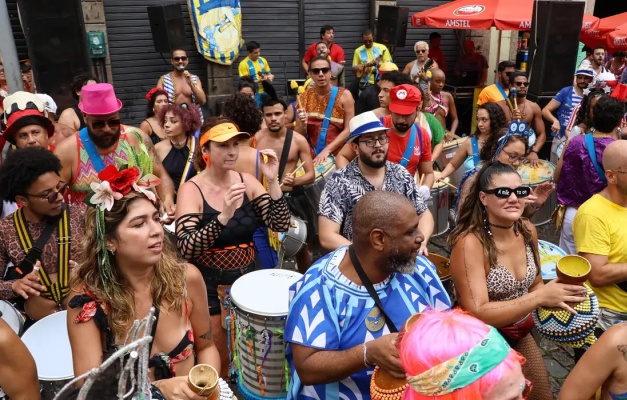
{"type": "Point", "coordinates": [384, 386]}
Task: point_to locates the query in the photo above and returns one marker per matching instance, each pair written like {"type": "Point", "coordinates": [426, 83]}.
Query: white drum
{"type": "Point", "coordinates": [438, 205]}
{"type": "Point", "coordinates": [12, 317]}
{"type": "Point", "coordinates": [260, 301]}
{"type": "Point", "coordinates": [48, 342]}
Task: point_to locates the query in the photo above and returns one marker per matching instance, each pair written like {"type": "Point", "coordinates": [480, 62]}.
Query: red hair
{"type": "Point", "coordinates": [188, 117]}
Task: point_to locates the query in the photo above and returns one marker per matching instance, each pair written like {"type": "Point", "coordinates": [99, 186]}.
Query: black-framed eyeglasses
{"type": "Point", "coordinates": [525, 84]}
{"type": "Point", "coordinates": [317, 71]}
{"type": "Point", "coordinates": [53, 195]}
{"type": "Point", "coordinates": [420, 51]}
{"type": "Point", "coordinates": [182, 58]}
{"type": "Point", "coordinates": [111, 123]}
{"type": "Point", "coordinates": [504, 192]}
{"type": "Point", "coordinates": [372, 141]}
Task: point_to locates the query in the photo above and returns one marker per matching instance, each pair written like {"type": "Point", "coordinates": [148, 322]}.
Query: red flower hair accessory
{"type": "Point", "coordinates": [154, 91]}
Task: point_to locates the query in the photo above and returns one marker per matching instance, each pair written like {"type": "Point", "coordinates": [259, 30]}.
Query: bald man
{"type": "Point", "coordinates": [600, 230]}
{"type": "Point", "coordinates": [335, 330]}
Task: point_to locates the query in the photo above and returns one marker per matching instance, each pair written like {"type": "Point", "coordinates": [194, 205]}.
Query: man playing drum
{"type": "Point", "coordinates": [290, 148]}
{"type": "Point", "coordinates": [601, 237]}
{"type": "Point", "coordinates": [324, 112]}
{"type": "Point", "coordinates": [368, 172]}
{"type": "Point", "coordinates": [346, 310]}
{"type": "Point", "coordinates": [410, 145]}
{"type": "Point", "coordinates": [41, 238]}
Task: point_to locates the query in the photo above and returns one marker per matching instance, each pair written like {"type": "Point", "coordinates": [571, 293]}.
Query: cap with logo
{"type": "Point", "coordinates": [404, 99]}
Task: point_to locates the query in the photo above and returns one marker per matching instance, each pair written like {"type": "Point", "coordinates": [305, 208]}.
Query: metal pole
{"type": "Point", "coordinates": [9, 52]}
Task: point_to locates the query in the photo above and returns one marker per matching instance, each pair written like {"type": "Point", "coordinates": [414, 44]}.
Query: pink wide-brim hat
{"type": "Point", "coordinates": [99, 99]}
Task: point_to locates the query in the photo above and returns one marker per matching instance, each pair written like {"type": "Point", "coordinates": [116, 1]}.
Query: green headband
{"type": "Point", "coordinates": [464, 369]}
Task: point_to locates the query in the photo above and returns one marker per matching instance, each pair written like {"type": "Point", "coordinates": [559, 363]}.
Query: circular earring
{"type": "Point", "coordinates": [112, 251]}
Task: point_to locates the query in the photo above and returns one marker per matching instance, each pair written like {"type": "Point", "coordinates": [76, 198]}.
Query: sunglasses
{"type": "Point", "coordinates": [324, 70]}
{"type": "Point", "coordinates": [525, 84]}
{"type": "Point", "coordinates": [53, 195]}
{"type": "Point", "coordinates": [100, 124]}
{"type": "Point", "coordinates": [184, 58]}
{"type": "Point", "coordinates": [420, 51]}
{"type": "Point", "coordinates": [504, 192]}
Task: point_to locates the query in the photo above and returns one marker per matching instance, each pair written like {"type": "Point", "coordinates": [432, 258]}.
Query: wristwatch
{"type": "Point", "coordinates": [533, 151]}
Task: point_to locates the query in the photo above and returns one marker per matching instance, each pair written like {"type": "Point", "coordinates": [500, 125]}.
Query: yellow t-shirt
{"type": "Point", "coordinates": [259, 66]}
{"type": "Point", "coordinates": [490, 94]}
{"type": "Point", "coordinates": [363, 55]}
{"type": "Point", "coordinates": [600, 227]}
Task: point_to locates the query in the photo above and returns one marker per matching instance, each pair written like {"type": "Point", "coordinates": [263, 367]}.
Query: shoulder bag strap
{"type": "Point", "coordinates": [409, 149]}
{"type": "Point", "coordinates": [373, 293]}
{"type": "Point", "coordinates": [505, 96]}
{"type": "Point", "coordinates": [90, 148]}
{"type": "Point", "coordinates": [286, 152]}
{"type": "Point", "coordinates": [474, 142]}
{"type": "Point", "coordinates": [322, 137]}
{"type": "Point", "coordinates": [593, 156]}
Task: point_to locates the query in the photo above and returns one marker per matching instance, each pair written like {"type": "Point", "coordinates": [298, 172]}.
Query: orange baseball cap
{"type": "Point", "coordinates": [221, 133]}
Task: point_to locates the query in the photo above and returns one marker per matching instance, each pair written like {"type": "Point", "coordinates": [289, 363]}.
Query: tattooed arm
{"type": "Point", "coordinates": [604, 361]}
{"type": "Point", "coordinates": [206, 350]}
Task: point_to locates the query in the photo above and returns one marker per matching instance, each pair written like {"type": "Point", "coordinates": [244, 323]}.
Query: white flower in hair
{"type": "Point", "coordinates": [103, 196]}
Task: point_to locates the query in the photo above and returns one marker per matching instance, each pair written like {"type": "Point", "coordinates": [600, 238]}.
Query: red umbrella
{"type": "Point", "coordinates": [598, 36]}
{"type": "Point", "coordinates": [617, 39]}
{"type": "Point", "coordinates": [484, 14]}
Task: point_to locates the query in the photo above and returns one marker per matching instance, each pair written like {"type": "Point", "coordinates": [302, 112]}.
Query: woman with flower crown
{"type": "Point", "coordinates": [219, 210]}
{"type": "Point", "coordinates": [128, 269]}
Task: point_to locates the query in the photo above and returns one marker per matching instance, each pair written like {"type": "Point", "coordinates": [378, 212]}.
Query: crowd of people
{"type": "Point", "coordinates": [106, 222]}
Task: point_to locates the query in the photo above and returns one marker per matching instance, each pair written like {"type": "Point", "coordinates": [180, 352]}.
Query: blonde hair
{"type": "Point", "coordinates": [168, 283]}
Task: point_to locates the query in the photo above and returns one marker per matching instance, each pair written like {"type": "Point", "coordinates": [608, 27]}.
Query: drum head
{"type": "Point", "coordinates": [550, 254]}
{"type": "Point", "coordinates": [534, 176]}
{"type": "Point", "coordinates": [171, 228]}
{"type": "Point", "coordinates": [48, 342]}
{"type": "Point", "coordinates": [264, 292]}
{"type": "Point", "coordinates": [12, 317]}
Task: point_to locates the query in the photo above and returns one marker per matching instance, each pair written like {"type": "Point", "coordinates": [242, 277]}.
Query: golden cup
{"type": "Point", "coordinates": [203, 380]}
{"type": "Point", "coordinates": [573, 270]}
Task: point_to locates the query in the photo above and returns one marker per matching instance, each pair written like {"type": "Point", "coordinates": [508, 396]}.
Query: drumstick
{"type": "Point", "coordinates": [513, 92]}
{"type": "Point", "coordinates": [297, 168]}
{"type": "Point", "coordinates": [448, 184]}
{"type": "Point", "coordinates": [422, 178]}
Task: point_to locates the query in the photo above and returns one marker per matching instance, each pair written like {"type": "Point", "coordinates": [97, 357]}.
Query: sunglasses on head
{"type": "Point", "coordinates": [100, 124]}
{"type": "Point", "coordinates": [504, 192]}
{"type": "Point", "coordinates": [183, 58]}
{"type": "Point", "coordinates": [318, 70]}
{"type": "Point", "coordinates": [420, 51]}
{"type": "Point", "coordinates": [525, 84]}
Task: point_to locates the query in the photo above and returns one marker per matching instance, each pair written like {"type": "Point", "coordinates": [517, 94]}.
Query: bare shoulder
{"type": "Point", "coordinates": [347, 98]}
{"type": "Point", "coordinates": [66, 148]}
{"type": "Point", "coordinates": [529, 225]}
{"type": "Point", "coordinates": [534, 106]}
{"type": "Point", "coordinates": [193, 277]}
{"type": "Point", "coordinates": [300, 140]}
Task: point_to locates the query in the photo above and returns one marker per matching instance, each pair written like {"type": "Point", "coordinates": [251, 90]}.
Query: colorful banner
{"type": "Point", "coordinates": [217, 29]}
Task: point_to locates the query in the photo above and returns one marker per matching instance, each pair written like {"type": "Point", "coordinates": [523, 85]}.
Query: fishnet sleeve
{"type": "Point", "coordinates": [274, 213]}
{"type": "Point", "coordinates": [192, 238]}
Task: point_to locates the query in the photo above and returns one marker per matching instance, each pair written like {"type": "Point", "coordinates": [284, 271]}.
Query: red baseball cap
{"type": "Point", "coordinates": [404, 99]}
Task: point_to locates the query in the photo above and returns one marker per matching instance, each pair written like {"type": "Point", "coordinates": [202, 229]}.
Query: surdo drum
{"type": "Point", "coordinates": [259, 306]}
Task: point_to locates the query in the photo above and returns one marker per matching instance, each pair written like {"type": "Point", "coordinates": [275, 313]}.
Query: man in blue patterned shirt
{"type": "Point", "coordinates": [369, 171]}
{"type": "Point", "coordinates": [335, 331]}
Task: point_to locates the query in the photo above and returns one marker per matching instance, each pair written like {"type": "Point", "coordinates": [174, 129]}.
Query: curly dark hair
{"type": "Point", "coordinates": [246, 82]}
{"type": "Point", "coordinates": [188, 116]}
{"type": "Point", "coordinates": [80, 80]}
{"type": "Point", "coordinates": [583, 115]}
{"type": "Point", "coordinates": [498, 125]}
{"type": "Point", "coordinates": [23, 167]}
{"type": "Point", "coordinates": [242, 109]}
{"type": "Point", "coordinates": [151, 103]}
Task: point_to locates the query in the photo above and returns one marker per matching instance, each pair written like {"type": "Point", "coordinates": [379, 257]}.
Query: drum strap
{"type": "Point", "coordinates": [90, 148]}
{"type": "Point", "coordinates": [409, 149]}
{"type": "Point", "coordinates": [322, 137]}
{"type": "Point", "coordinates": [474, 143]}
{"type": "Point", "coordinates": [373, 293]}
{"type": "Point", "coordinates": [286, 152]}
{"type": "Point", "coordinates": [593, 156]}
{"type": "Point", "coordinates": [190, 160]}
{"type": "Point", "coordinates": [57, 290]}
